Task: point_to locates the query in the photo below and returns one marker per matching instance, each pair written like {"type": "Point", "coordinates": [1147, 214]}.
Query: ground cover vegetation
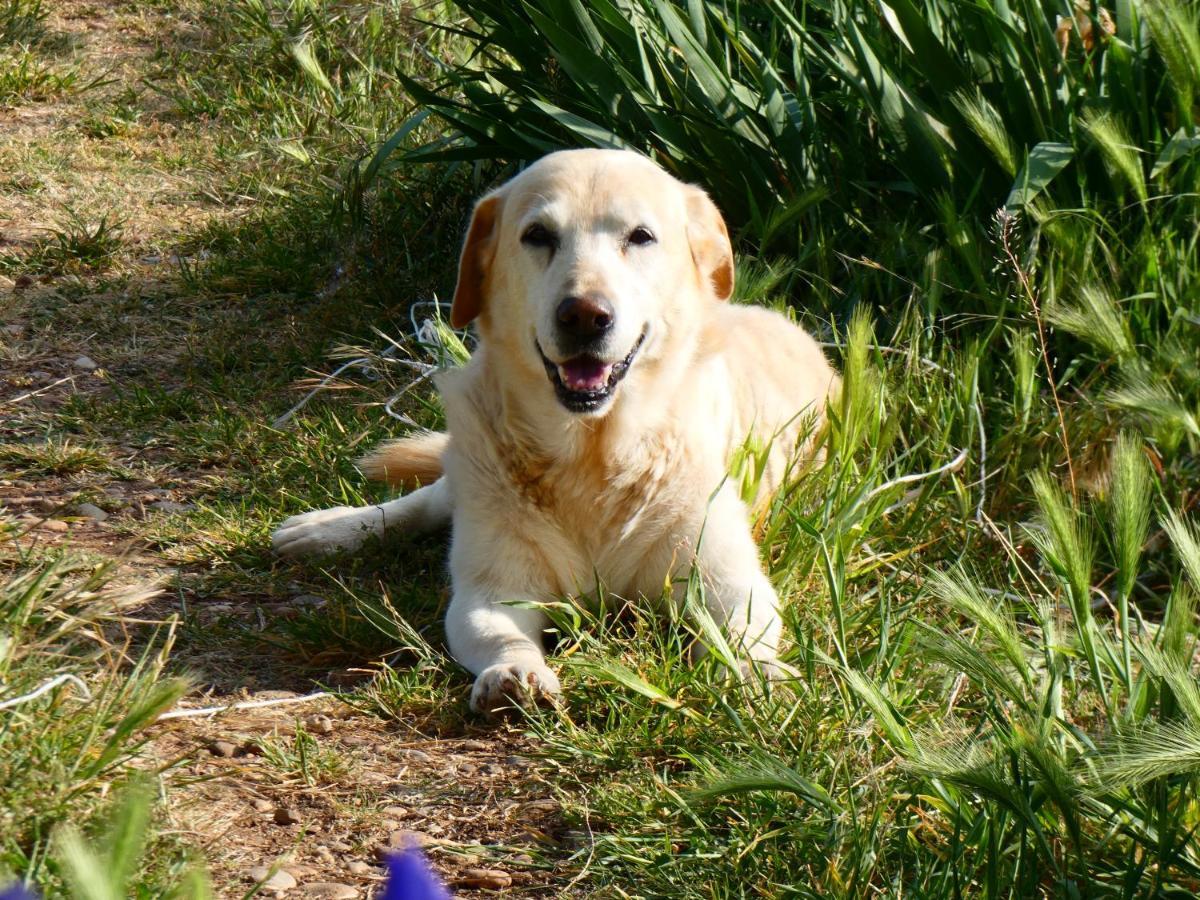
{"type": "Point", "coordinates": [989, 212]}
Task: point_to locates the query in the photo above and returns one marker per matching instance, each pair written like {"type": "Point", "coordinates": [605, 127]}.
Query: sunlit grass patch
{"type": "Point", "coordinates": [56, 456]}
{"type": "Point", "coordinates": [76, 697]}
{"type": "Point", "coordinates": [73, 246]}
{"type": "Point", "coordinates": [27, 76]}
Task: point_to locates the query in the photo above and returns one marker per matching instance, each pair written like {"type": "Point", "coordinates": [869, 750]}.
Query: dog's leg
{"type": "Point", "coordinates": [501, 645]}
{"type": "Point", "coordinates": [342, 528]}
{"type": "Point", "coordinates": [738, 593]}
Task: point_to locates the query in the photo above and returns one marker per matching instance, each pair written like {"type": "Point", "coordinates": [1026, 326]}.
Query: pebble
{"type": "Point", "coordinates": [358, 867]}
{"type": "Point", "coordinates": [287, 816]}
{"type": "Point", "coordinates": [398, 840]}
{"type": "Point", "coordinates": [488, 879]}
{"type": "Point", "coordinates": [170, 506]}
{"type": "Point", "coordinates": [339, 846]}
{"type": "Point", "coordinates": [308, 600]}
{"type": "Point", "coordinates": [86, 363]}
{"type": "Point", "coordinates": [263, 805]}
{"type": "Point", "coordinates": [55, 525]}
{"type": "Point", "coordinates": [395, 812]}
{"type": "Point", "coordinates": [319, 724]}
{"type": "Point", "coordinates": [223, 749]}
{"type": "Point", "coordinates": [329, 890]}
{"type": "Point", "coordinates": [280, 881]}
{"type": "Point", "coordinates": [467, 768]}
{"type": "Point", "coordinates": [91, 511]}
{"type": "Point", "coordinates": [476, 746]}
{"type": "Point", "coordinates": [542, 806]}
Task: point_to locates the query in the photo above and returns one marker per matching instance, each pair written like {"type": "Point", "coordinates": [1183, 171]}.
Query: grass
{"type": "Point", "coordinates": [990, 582]}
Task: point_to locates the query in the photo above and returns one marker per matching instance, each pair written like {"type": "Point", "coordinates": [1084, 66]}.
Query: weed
{"type": "Point", "coordinates": [72, 247]}
{"type": "Point", "coordinates": [54, 456]}
{"type": "Point", "coordinates": [25, 77]}
{"type": "Point", "coordinates": [22, 22]}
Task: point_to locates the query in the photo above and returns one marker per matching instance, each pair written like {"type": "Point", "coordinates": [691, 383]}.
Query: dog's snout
{"type": "Point", "coordinates": [586, 318]}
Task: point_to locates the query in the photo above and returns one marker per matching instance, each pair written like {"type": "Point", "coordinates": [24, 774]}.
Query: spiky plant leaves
{"type": "Point", "coordinates": [1129, 511]}
{"type": "Point", "coordinates": [1118, 150]}
{"type": "Point", "coordinates": [759, 772]}
{"type": "Point", "coordinates": [962, 592]}
{"type": "Point", "coordinates": [1153, 752]}
{"type": "Point", "coordinates": [1186, 538]}
{"type": "Point", "coordinates": [1067, 543]}
{"type": "Point", "coordinates": [1096, 318]}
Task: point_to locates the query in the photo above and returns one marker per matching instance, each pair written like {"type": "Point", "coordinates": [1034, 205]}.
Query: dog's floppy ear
{"type": "Point", "coordinates": [479, 249]}
{"type": "Point", "coordinates": [709, 240]}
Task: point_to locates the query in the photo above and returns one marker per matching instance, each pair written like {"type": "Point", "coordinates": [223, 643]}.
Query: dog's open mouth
{"type": "Point", "coordinates": [584, 383]}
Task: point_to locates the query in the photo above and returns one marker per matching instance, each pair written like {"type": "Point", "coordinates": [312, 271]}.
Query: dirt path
{"type": "Point", "coordinates": [89, 315]}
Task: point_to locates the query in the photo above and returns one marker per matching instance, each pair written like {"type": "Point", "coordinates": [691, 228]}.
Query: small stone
{"type": "Point", "coordinates": [22, 281]}
{"type": "Point", "coordinates": [262, 805]}
{"type": "Point", "coordinates": [542, 806]}
{"type": "Point", "coordinates": [326, 855]}
{"type": "Point", "coordinates": [170, 506]}
{"type": "Point", "coordinates": [319, 724]}
{"type": "Point", "coordinates": [287, 816]}
{"type": "Point", "coordinates": [487, 879]}
{"type": "Point", "coordinates": [86, 363]}
{"type": "Point", "coordinates": [311, 601]}
{"type": "Point", "coordinates": [339, 846]}
{"type": "Point", "coordinates": [358, 867]}
{"type": "Point", "coordinates": [415, 755]}
{"type": "Point", "coordinates": [395, 812]}
{"type": "Point", "coordinates": [475, 746]}
{"type": "Point", "coordinates": [398, 840]}
{"type": "Point", "coordinates": [300, 872]}
{"type": "Point", "coordinates": [521, 859]}
{"type": "Point", "coordinates": [280, 881]}
{"type": "Point", "coordinates": [55, 525]}
{"type": "Point", "coordinates": [90, 511]}
{"type": "Point", "coordinates": [329, 890]}
{"type": "Point", "coordinates": [223, 749]}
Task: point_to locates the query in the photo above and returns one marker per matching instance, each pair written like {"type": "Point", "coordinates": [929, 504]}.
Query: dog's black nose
{"type": "Point", "coordinates": [585, 318]}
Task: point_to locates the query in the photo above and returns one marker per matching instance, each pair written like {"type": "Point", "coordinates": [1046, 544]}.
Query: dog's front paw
{"type": "Point", "coordinates": [325, 531]}
{"type": "Point", "coordinates": [506, 685]}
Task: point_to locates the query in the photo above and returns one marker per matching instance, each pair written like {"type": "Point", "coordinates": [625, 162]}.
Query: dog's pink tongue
{"type": "Point", "coordinates": [583, 373]}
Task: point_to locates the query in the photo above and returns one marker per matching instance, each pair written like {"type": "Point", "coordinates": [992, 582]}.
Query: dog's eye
{"type": "Point", "coordinates": [539, 236]}
{"type": "Point", "coordinates": [640, 237]}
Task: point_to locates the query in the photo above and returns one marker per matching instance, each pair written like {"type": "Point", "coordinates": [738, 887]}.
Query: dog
{"type": "Point", "coordinates": [589, 439]}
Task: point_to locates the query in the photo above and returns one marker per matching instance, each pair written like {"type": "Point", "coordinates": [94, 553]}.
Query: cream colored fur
{"type": "Point", "coordinates": [547, 503]}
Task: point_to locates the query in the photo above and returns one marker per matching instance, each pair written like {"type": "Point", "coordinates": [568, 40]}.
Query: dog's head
{"type": "Point", "coordinates": [589, 266]}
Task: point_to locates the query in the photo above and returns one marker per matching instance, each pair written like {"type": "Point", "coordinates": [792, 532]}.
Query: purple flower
{"type": "Point", "coordinates": [410, 878]}
{"type": "Point", "coordinates": [17, 892]}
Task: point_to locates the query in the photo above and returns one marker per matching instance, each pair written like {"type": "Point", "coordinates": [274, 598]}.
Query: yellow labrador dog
{"type": "Point", "coordinates": [590, 436]}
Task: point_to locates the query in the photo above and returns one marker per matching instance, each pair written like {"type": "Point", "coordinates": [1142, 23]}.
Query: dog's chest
{"type": "Point", "coordinates": [613, 517]}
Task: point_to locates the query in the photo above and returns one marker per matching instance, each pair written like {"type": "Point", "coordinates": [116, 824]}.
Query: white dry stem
{"type": "Point", "coordinates": [48, 686]}
{"type": "Point", "coordinates": [249, 704]}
